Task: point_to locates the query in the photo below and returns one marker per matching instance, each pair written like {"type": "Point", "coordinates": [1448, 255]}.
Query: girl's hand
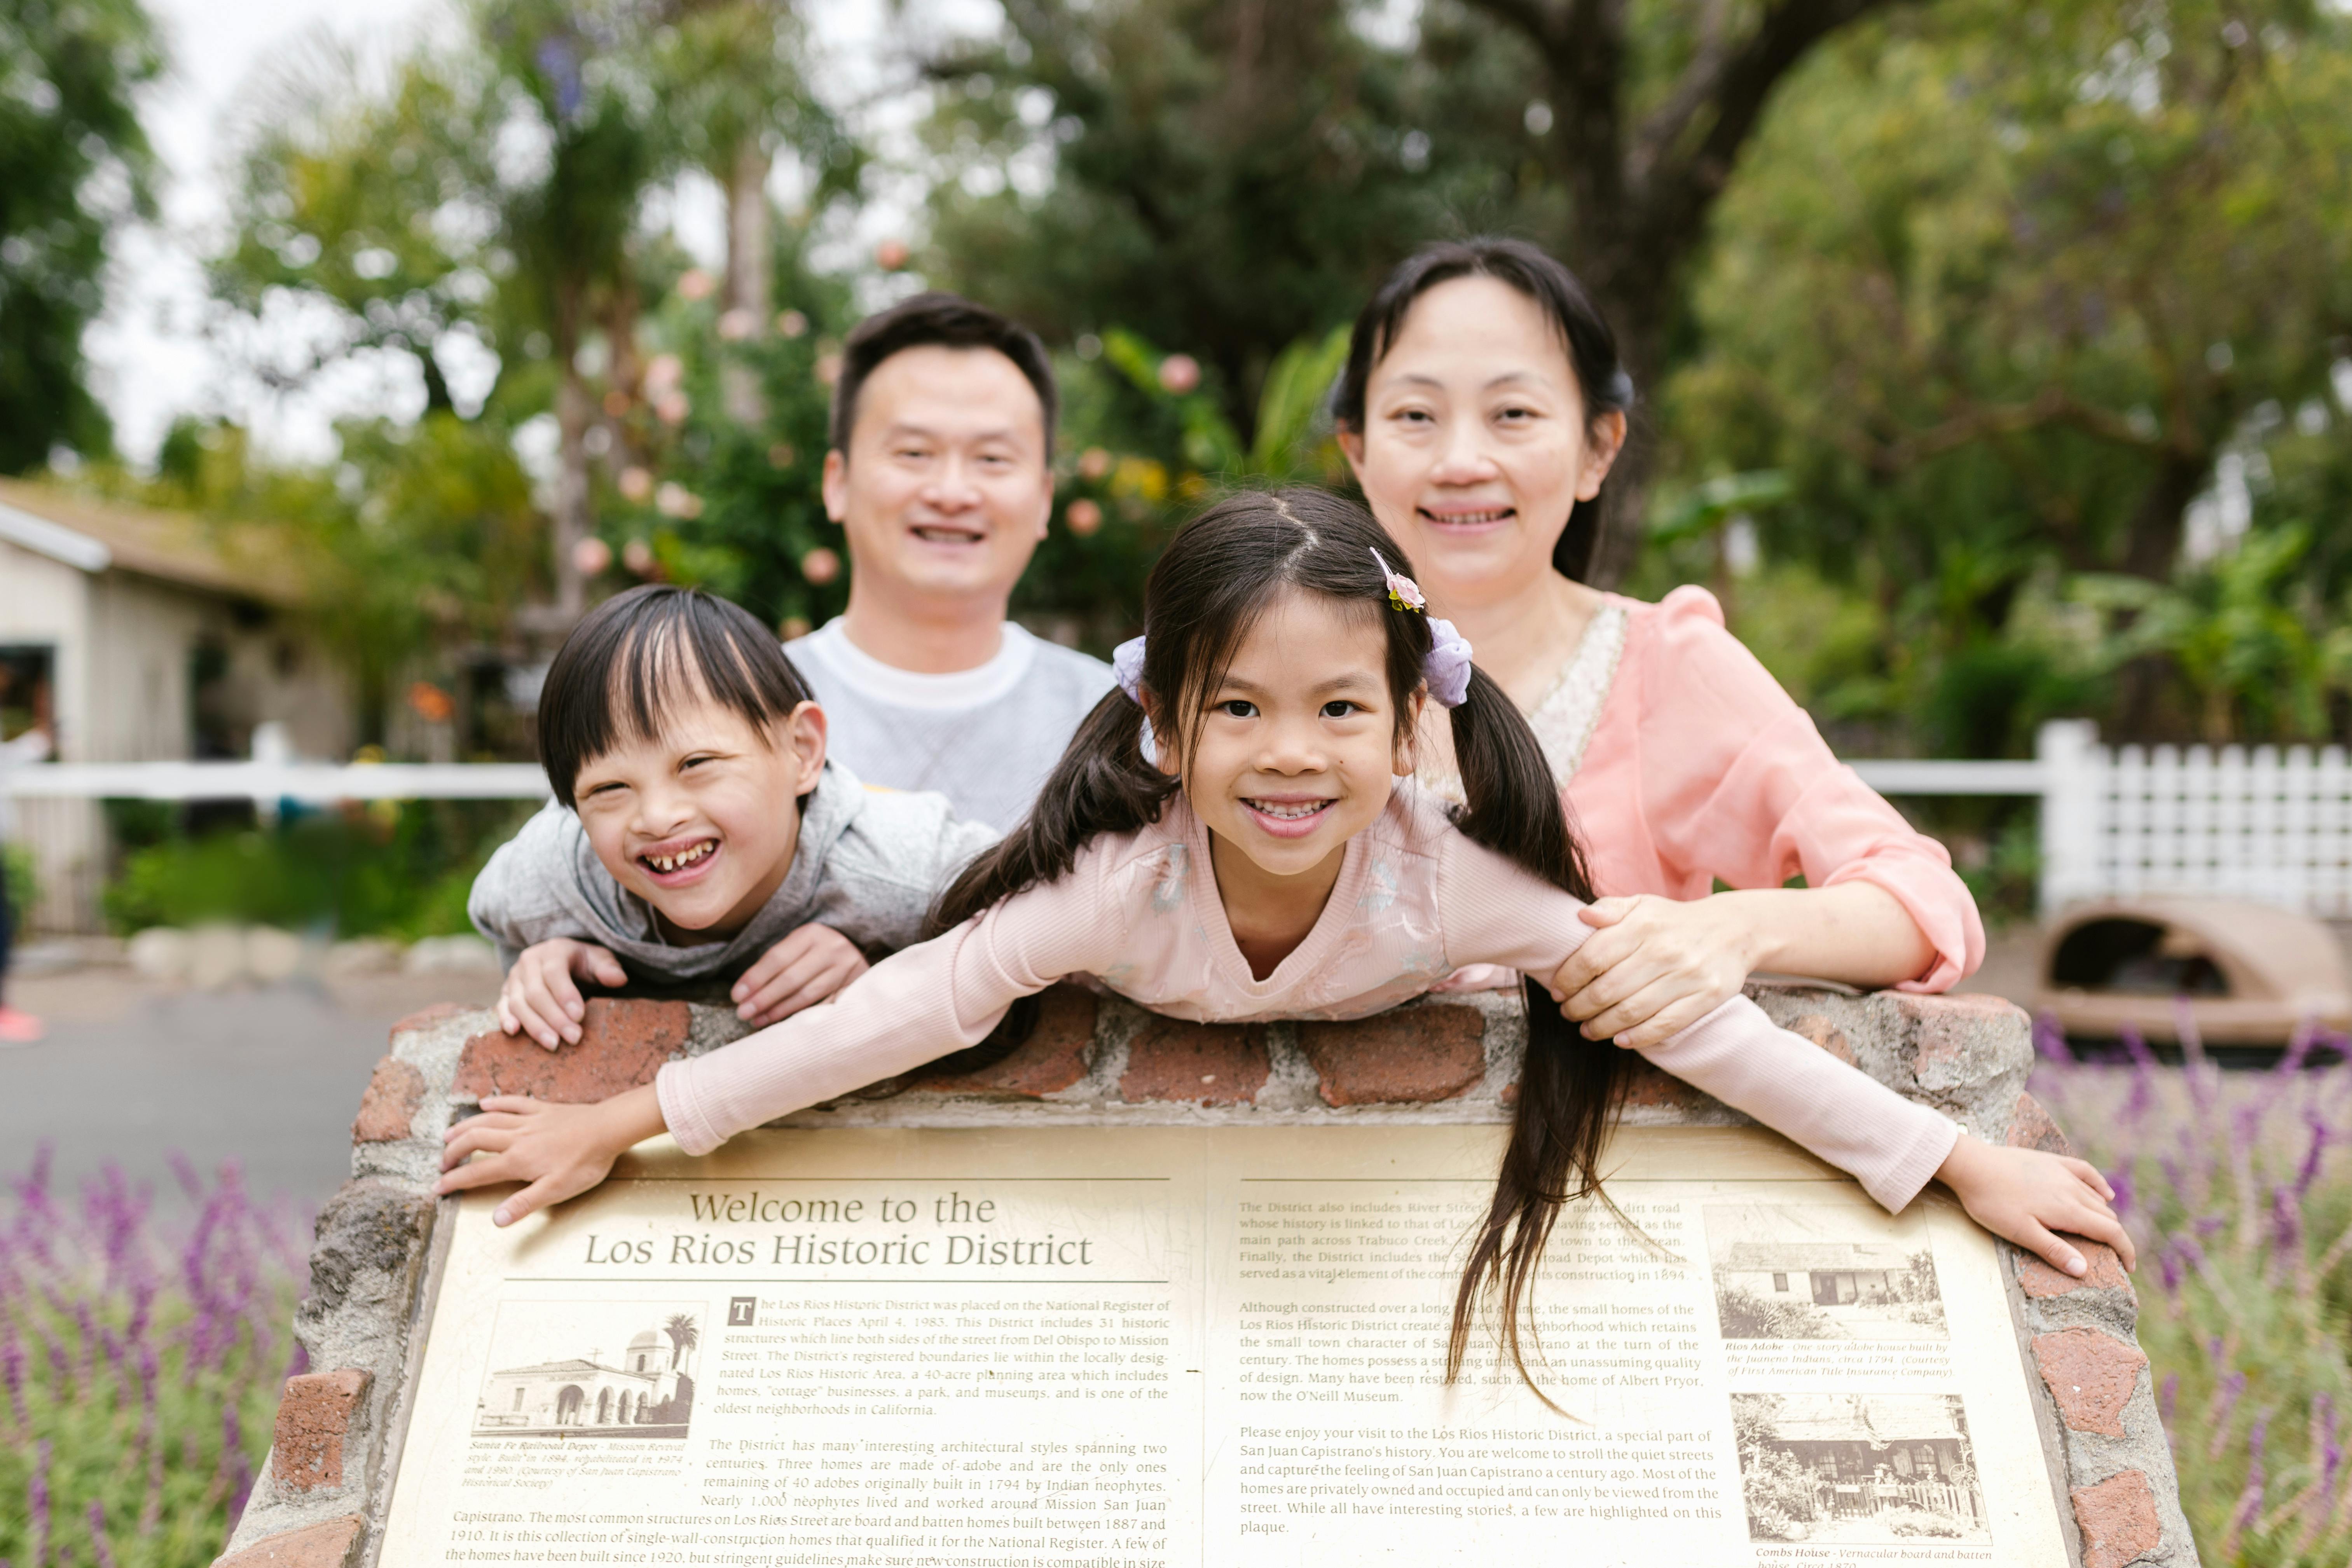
{"type": "Point", "coordinates": [2025, 1194]}
{"type": "Point", "coordinates": [1653, 967]}
{"type": "Point", "coordinates": [807, 967]}
{"type": "Point", "coordinates": [559, 1151]}
{"type": "Point", "coordinates": [540, 998]}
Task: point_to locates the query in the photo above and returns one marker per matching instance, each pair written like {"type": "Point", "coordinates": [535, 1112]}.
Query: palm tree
{"type": "Point", "coordinates": [683, 1336]}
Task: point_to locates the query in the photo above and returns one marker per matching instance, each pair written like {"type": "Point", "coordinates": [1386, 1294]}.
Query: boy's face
{"type": "Point", "coordinates": [702, 822]}
{"type": "Point", "coordinates": [1299, 746]}
{"type": "Point", "coordinates": [946, 486]}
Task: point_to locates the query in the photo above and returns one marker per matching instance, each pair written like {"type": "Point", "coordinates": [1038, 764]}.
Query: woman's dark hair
{"type": "Point", "coordinates": [639, 652]}
{"type": "Point", "coordinates": [1583, 329]}
{"type": "Point", "coordinates": [1208, 589]}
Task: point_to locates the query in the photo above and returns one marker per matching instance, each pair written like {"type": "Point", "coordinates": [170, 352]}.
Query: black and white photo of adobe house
{"type": "Point", "coordinates": [1817, 1272]}
{"type": "Point", "coordinates": [1844, 1468]}
{"type": "Point", "coordinates": [569, 1370]}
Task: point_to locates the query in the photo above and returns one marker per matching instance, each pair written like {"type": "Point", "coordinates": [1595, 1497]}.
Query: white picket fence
{"type": "Point", "coordinates": [2263, 823]}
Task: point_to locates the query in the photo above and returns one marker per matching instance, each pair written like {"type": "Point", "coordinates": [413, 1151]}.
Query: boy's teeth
{"type": "Point", "coordinates": [687, 857]}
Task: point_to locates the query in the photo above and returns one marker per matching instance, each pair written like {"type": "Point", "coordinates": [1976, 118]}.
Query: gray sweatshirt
{"type": "Point", "coordinates": [985, 738]}
{"type": "Point", "coordinates": [869, 865]}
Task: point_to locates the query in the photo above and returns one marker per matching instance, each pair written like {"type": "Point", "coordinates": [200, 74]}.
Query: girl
{"type": "Point", "coordinates": [1482, 406]}
{"type": "Point", "coordinates": [1249, 855]}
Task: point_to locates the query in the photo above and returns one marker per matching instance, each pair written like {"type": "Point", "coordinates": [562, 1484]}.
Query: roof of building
{"type": "Point", "coordinates": [1877, 1418]}
{"type": "Point", "coordinates": [1795, 1257]}
{"type": "Point", "coordinates": [576, 1364]}
{"type": "Point", "coordinates": [94, 535]}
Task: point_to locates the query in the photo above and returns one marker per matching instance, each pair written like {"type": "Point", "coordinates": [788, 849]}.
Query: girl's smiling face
{"type": "Point", "coordinates": [702, 821]}
{"type": "Point", "coordinates": [1474, 446]}
{"type": "Point", "coordinates": [1295, 747]}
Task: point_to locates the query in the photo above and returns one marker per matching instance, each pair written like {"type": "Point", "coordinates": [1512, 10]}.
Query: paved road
{"type": "Point", "coordinates": [269, 1077]}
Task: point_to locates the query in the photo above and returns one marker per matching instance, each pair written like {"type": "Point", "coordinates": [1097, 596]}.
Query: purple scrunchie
{"type": "Point", "coordinates": [1446, 670]}
{"type": "Point", "coordinates": [1127, 669]}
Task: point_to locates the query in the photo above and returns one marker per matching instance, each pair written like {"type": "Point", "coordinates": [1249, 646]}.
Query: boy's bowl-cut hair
{"type": "Point", "coordinates": [942, 321]}
{"type": "Point", "coordinates": [645, 650]}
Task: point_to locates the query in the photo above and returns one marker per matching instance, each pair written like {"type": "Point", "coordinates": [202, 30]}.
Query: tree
{"type": "Point", "coordinates": [1239, 174]}
{"type": "Point", "coordinates": [683, 1336]}
{"type": "Point", "coordinates": [74, 165]}
{"type": "Point", "coordinates": [1221, 177]}
{"type": "Point", "coordinates": [1998, 309]}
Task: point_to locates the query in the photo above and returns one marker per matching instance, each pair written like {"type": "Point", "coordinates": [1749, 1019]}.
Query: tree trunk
{"type": "Point", "coordinates": [749, 262]}
{"type": "Point", "coordinates": [573, 413]}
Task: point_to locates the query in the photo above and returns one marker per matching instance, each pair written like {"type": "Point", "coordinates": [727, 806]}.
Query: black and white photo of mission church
{"type": "Point", "coordinates": [1820, 1272]}
{"type": "Point", "coordinates": [574, 1370]}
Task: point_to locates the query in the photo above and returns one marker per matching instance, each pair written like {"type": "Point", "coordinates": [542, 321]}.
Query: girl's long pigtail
{"type": "Point", "coordinates": [1104, 783]}
{"type": "Point", "coordinates": [1569, 1086]}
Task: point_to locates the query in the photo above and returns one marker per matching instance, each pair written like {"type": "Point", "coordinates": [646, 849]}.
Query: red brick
{"type": "Point", "coordinates": [2038, 1279]}
{"type": "Point", "coordinates": [2118, 1519]}
{"type": "Point", "coordinates": [1948, 1023]}
{"type": "Point", "coordinates": [1816, 1027]}
{"type": "Point", "coordinates": [1420, 1053]}
{"type": "Point", "coordinates": [1646, 1085]}
{"type": "Point", "coordinates": [307, 1450]}
{"type": "Point", "coordinates": [2091, 1375]}
{"type": "Point", "coordinates": [622, 1045]}
{"type": "Point", "coordinates": [1213, 1064]}
{"type": "Point", "coordinates": [329, 1545]}
{"type": "Point", "coordinates": [394, 1090]}
{"type": "Point", "coordinates": [425, 1017]}
{"type": "Point", "coordinates": [2030, 1127]}
{"type": "Point", "coordinates": [1053, 1058]}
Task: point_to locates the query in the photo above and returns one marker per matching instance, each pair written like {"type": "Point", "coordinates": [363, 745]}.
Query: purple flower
{"type": "Point", "coordinates": [98, 1546]}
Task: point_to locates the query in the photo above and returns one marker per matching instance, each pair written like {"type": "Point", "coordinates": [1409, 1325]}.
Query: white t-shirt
{"type": "Point", "coordinates": [984, 737]}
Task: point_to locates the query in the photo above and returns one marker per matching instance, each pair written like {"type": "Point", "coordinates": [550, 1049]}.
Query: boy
{"type": "Point", "coordinates": [697, 831]}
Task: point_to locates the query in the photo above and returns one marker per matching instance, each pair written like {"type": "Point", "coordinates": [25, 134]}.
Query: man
{"type": "Point", "coordinates": [940, 474]}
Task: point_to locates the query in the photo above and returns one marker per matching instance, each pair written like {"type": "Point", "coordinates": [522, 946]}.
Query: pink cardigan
{"type": "Point", "coordinates": [1699, 766]}
{"type": "Point", "coordinates": [1414, 899]}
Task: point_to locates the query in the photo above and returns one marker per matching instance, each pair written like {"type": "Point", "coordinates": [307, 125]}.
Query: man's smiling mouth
{"type": "Point", "coordinates": [685, 860]}
{"type": "Point", "coordinates": [934, 533]}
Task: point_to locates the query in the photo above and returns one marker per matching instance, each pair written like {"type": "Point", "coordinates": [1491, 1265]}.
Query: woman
{"type": "Point", "coordinates": [1481, 408]}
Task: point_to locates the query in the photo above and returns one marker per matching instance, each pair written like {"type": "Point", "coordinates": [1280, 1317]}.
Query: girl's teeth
{"type": "Point", "coordinates": [1287, 812]}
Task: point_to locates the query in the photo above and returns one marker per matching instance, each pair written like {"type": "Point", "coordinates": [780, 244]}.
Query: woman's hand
{"type": "Point", "coordinates": [2025, 1195]}
{"type": "Point", "coordinates": [539, 998]}
{"type": "Point", "coordinates": [558, 1151]}
{"type": "Point", "coordinates": [1653, 967]}
{"type": "Point", "coordinates": [806, 967]}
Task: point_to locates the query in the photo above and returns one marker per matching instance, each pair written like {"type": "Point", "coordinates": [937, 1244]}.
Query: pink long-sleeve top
{"type": "Point", "coordinates": [1415, 899]}
{"type": "Point", "coordinates": [1682, 761]}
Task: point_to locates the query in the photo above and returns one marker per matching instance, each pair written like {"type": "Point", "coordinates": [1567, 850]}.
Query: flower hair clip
{"type": "Point", "coordinates": [1404, 594]}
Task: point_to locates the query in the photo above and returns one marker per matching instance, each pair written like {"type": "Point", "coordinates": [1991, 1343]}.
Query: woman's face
{"type": "Point", "coordinates": [1474, 449]}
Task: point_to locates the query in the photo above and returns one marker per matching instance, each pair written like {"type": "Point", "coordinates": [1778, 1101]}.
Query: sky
{"type": "Point", "coordinates": [161, 351]}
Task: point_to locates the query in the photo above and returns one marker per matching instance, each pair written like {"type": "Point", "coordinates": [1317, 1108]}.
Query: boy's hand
{"type": "Point", "coordinates": [806, 968]}
{"type": "Point", "coordinates": [540, 998]}
{"type": "Point", "coordinates": [2025, 1194]}
{"type": "Point", "coordinates": [559, 1151]}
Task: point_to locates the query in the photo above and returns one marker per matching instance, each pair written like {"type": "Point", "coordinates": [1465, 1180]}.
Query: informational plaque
{"type": "Point", "coordinates": [1089, 1347]}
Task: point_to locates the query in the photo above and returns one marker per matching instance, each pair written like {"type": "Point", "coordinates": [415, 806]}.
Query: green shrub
{"type": "Point", "coordinates": [393, 869]}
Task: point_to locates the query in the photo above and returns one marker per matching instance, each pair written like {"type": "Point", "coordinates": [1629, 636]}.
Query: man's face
{"type": "Point", "coordinates": [946, 488]}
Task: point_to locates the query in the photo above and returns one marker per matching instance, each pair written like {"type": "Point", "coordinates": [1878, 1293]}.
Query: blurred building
{"type": "Point", "coordinates": [139, 636]}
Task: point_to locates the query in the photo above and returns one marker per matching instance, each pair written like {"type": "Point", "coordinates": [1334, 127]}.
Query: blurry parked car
{"type": "Point", "coordinates": [2245, 973]}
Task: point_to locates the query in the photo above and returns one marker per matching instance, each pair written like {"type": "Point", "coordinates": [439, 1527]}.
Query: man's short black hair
{"type": "Point", "coordinates": [647, 650]}
{"type": "Point", "coordinates": [948, 320]}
